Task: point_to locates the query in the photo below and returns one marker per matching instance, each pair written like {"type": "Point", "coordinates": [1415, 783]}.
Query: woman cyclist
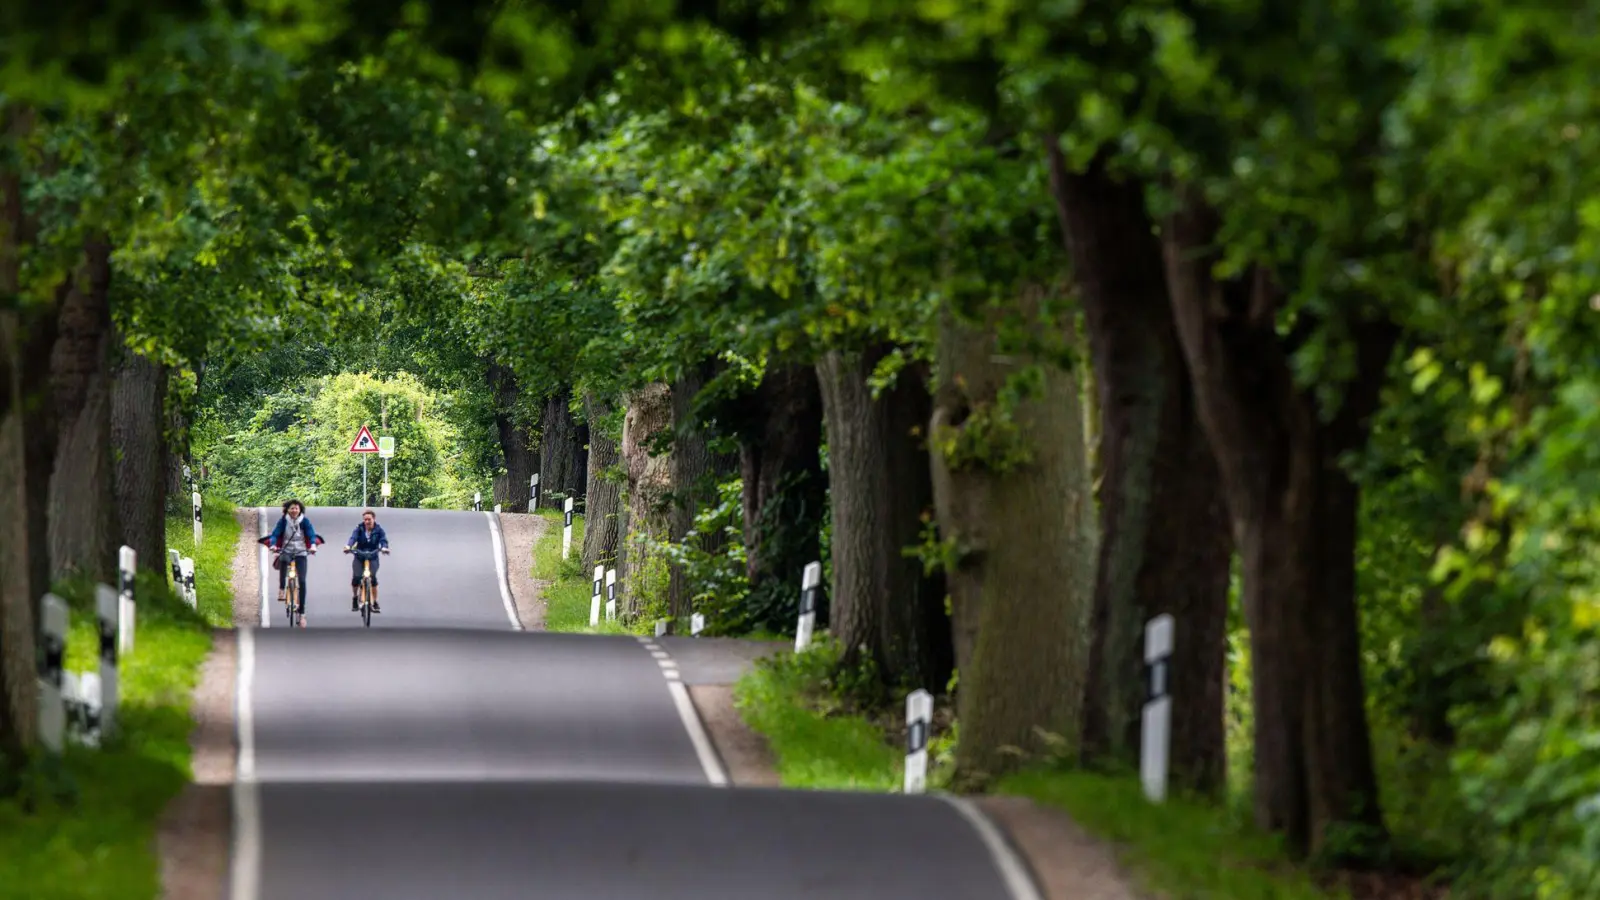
{"type": "Point", "coordinates": [294, 539]}
{"type": "Point", "coordinates": [366, 542]}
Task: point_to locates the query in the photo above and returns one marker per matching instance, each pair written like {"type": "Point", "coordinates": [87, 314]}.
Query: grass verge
{"type": "Point", "coordinates": [1181, 850]}
{"type": "Point", "coordinates": [786, 699]}
{"type": "Point", "coordinates": [213, 565]}
{"type": "Point", "coordinates": [83, 826]}
{"type": "Point", "coordinates": [568, 593]}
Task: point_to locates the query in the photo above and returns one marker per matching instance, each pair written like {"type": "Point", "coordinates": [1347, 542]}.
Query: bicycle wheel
{"type": "Point", "coordinates": [293, 598]}
{"type": "Point", "coordinates": [366, 603]}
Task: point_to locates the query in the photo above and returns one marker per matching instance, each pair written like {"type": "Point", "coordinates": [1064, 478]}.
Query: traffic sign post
{"type": "Point", "coordinates": [364, 445]}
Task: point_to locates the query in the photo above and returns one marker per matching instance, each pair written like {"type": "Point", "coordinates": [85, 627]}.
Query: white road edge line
{"type": "Point", "coordinates": [265, 566]}
{"type": "Point", "coordinates": [246, 869]}
{"type": "Point", "coordinates": [1014, 872]}
{"type": "Point", "coordinates": [500, 569]}
{"type": "Point", "coordinates": [697, 734]}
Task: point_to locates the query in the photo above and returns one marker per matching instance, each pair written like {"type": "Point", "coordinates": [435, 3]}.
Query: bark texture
{"type": "Point", "coordinates": [18, 584]}
{"type": "Point", "coordinates": [83, 528]}
{"type": "Point", "coordinates": [138, 387]}
{"type": "Point", "coordinates": [1165, 545]}
{"type": "Point", "coordinates": [562, 458]}
{"type": "Point", "coordinates": [886, 611]}
{"type": "Point", "coordinates": [602, 511]}
{"type": "Point", "coordinates": [1293, 509]}
{"type": "Point", "coordinates": [696, 472]}
{"type": "Point", "coordinates": [646, 515]}
{"type": "Point", "coordinates": [24, 472]}
{"type": "Point", "coordinates": [1011, 480]}
{"type": "Point", "coordinates": [512, 492]}
{"type": "Point", "coordinates": [785, 490]}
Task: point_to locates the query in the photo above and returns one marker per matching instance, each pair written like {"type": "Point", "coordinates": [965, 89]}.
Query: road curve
{"type": "Point", "coordinates": [441, 755]}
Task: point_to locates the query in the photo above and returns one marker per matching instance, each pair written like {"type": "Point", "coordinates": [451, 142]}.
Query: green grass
{"type": "Point", "coordinates": [1181, 849]}
{"type": "Point", "coordinates": [783, 698]}
{"type": "Point", "coordinates": [84, 826]}
{"type": "Point", "coordinates": [570, 588]}
{"type": "Point", "coordinates": [1186, 850]}
{"type": "Point", "coordinates": [213, 565]}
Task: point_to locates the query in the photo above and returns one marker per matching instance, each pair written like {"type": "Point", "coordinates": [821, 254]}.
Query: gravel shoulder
{"type": "Point", "coordinates": [247, 569]}
{"type": "Point", "coordinates": [1067, 862]}
{"type": "Point", "coordinates": [196, 828]}
{"type": "Point", "coordinates": [519, 532]}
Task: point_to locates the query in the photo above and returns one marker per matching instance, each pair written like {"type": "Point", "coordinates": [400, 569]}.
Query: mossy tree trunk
{"type": "Point", "coordinates": [646, 517]}
{"type": "Point", "coordinates": [1011, 479]}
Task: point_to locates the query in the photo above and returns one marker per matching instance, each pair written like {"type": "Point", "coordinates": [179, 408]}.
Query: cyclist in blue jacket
{"type": "Point", "coordinates": [293, 539]}
{"type": "Point", "coordinates": [366, 542]}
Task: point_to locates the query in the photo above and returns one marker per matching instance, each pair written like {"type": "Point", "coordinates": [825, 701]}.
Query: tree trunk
{"type": "Point", "coordinates": [20, 583]}
{"type": "Point", "coordinates": [82, 530]}
{"type": "Point", "coordinates": [138, 387]}
{"type": "Point", "coordinates": [1294, 518]}
{"type": "Point", "coordinates": [641, 570]}
{"type": "Point", "coordinates": [515, 447]}
{"type": "Point", "coordinates": [602, 509]}
{"type": "Point", "coordinates": [555, 451]}
{"type": "Point", "coordinates": [1165, 546]}
{"type": "Point", "coordinates": [785, 491]}
{"type": "Point", "coordinates": [886, 611]}
{"type": "Point", "coordinates": [1011, 480]}
{"type": "Point", "coordinates": [696, 472]}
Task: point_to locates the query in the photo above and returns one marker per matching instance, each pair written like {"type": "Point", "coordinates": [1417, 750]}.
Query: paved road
{"type": "Point", "coordinates": [442, 755]}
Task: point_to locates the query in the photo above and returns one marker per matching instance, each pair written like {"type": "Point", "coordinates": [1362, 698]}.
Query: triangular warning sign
{"type": "Point", "coordinates": [364, 442]}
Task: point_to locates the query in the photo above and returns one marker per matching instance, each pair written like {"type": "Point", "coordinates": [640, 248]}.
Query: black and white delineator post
{"type": "Point", "coordinates": [186, 573]}
{"type": "Point", "coordinates": [127, 568]}
{"type": "Point", "coordinates": [594, 598]}
{"type": "Point", "coordinates": [176, 558]}
{"type": "Point", "coordinates": [1156, 732]}
{"type": "Point", "coordinates": [497, 509]}
{"type": "Point", "coordinates": [477, 501]}
{"type": "Point", "coordinates": [697, 624]}
{"type": "Point", "coordinates": [195, 497]}
{"type": "Point", "coordinates": [52, 702]}
{"type": "Point", "coordinates": [611, 595]}
{"type": "Point", "coordinates": [533, 493]}
{"type": "Point", "coordinates": [810, 586]}
{"type": "Point", "coordinates": [107, 604]}
{"type": "Point", "coordinates": [566, 528]}
{"type": "Point", "coordinates": [919, 718]}
{"type": "Point", "coordinates": [661, 627]}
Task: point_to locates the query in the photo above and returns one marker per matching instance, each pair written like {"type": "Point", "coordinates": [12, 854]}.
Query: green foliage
{"type": "Point", "coordinates": [720, 586]}
{"type": "Point", "coordinates": [297, 445]}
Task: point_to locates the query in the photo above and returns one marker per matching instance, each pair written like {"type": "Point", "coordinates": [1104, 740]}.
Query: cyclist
{"type": "Point", "coordinates": [293, 538]}
{"type": "Point", "coordinates": [366, 542]}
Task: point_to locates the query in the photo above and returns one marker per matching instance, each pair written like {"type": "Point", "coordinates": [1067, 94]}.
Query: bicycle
{"type": "Point", "coordinates": [291, 596]}
{"type": "Point", "coordinates": [366, 591]}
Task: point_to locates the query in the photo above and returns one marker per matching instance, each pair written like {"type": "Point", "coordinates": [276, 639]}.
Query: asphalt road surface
{"type": "Point", "coordinates": [445, 755]}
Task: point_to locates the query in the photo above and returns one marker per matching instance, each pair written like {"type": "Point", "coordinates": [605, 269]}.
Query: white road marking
{"type": "Point", "coordinates": [500, 569]}
{"type": "Point", "coordinates": [266, 567]}
{"type": "Point", "coordinates": [659, 654]}
{"type": "Point", "coordinates": [246, 871]}
{"type": "Point", "coordinates": [1019, 882]}
{"type": "Point", "coordinates": [697, 734]}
